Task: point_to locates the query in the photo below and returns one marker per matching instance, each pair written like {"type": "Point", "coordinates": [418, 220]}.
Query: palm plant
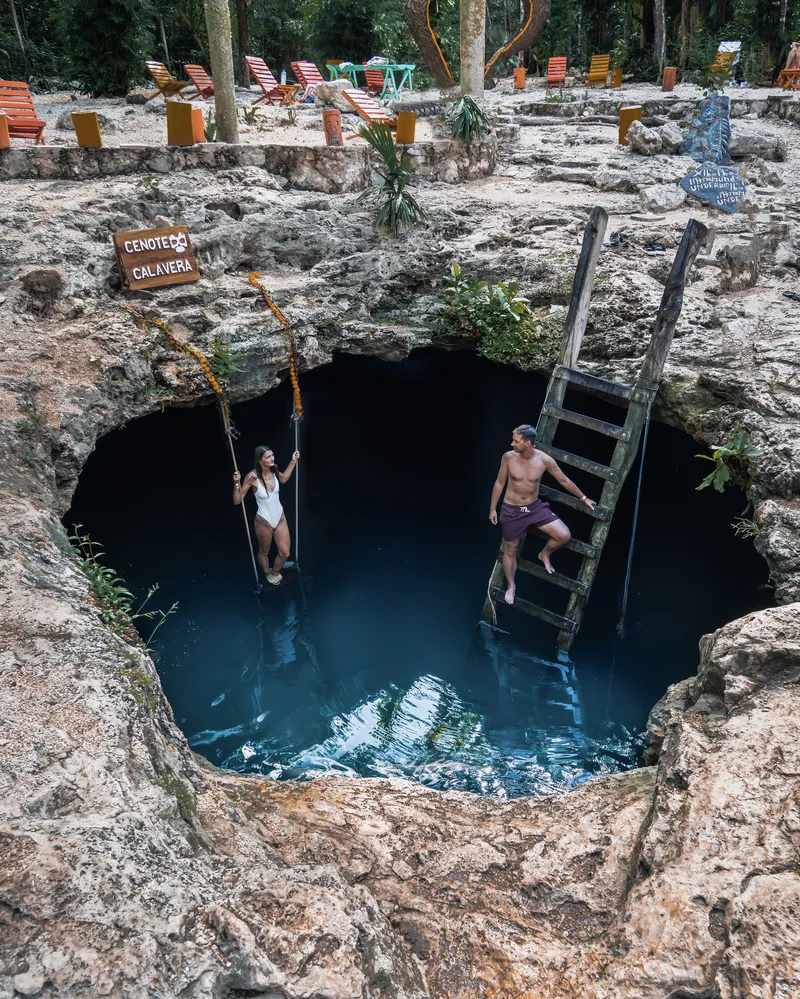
{"type": "Point", "coordinates": [394, 205]}
{"type": "Point", "coordinates": [467, 120]}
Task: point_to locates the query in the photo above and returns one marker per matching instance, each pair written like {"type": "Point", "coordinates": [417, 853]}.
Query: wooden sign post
{"type": "Point", "coordinates": [626, 116]}
{"type": "Point", "coordinates": [668, 79]}
{"type": "Point", "coordinates": [87, 129]}
{"type": "Point", "coordinates": [153, 258]}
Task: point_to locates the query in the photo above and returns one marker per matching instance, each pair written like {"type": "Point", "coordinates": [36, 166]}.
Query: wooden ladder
{"type": "Point", "coordinates": [638, 397]}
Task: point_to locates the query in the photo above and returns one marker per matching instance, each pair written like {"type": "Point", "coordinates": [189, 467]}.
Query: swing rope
{"type": "Point", "coordinates": [626, 590]}
{"type": "Point", "coordinates": [224, 408]}
{"type": "Point", "coordinates": [297, 410]}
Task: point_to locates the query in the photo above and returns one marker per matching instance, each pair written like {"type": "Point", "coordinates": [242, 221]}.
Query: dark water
{"type": "Point", "coordinates": [370, 662]}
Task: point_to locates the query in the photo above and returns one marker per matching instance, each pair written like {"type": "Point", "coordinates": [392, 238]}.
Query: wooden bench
{"type": "Point", "coordinates": [201, 80]}
{"type": "Point", "coordinates": [16, 104]}
{"type": "Point", "coordinates": [164, 80]}
{"type": "Point", "coordinates": [598, 71]}
{"type": "Point", "coordinates": [556, 71]}
{"type": "Point", "coordinates": [307, 73]}
{"type": "Point", "coordinates": [375, 81]}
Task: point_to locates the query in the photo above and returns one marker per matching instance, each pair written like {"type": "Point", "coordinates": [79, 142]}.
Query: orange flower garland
{"type": "Point", "coordinates": [255, 281]}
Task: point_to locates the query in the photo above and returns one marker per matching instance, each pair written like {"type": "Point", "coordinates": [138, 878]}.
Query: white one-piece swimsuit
{"type": "Point", "coordinates": [269, 502]}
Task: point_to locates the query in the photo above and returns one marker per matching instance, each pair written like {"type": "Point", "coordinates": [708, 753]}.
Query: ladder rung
{"type": "Point", "coordinates": [593, 467]}
{"type": "Point", "coordinates": [588, 422]}
{"type": "Point", "coordinates": [581, 547]}
{"type": "Point", "coordinates": [556, 578]}
{"type": "Point", "coordinates": [595, 384]}
{"type": "Point", "coordinates": [599, 512]}
{"type": "Point", "coordinates": [562, 623]}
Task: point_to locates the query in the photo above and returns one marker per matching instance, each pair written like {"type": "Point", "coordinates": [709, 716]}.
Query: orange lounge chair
{"type": "Point", "coordinates": [375, 81]}
{"type": "Point", "coordinates": [16, 104]}
{"type": "Point", "coordinates": [598, 71]}
{"type": "Point", "coordinates": [164, 80]}
{"type": "Point", "coordinates": [201, 79]}
{"type": "Point", "coordinates": [307, 74]}
{"type": "Point", "coordinates": [270, 88]}
{"type": "Point", "coordinates": [368, 108]}
{"type": "Point", "coordinates": [556, 71]}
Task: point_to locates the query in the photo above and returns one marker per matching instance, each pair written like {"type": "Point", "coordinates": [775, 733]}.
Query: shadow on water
{"type": "Point", "coordinates": [368, 661]}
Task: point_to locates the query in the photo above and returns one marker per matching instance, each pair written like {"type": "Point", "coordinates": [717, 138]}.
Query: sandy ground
{"type": "Point", "coordinates": [123, 123]}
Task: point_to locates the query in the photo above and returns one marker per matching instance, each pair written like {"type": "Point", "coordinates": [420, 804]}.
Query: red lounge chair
{"type": "Point", "coordinates": [203, 82]}
{"type": "Point", "coordinates": [556, 71]}
{"type": "Point", "coordinates": [375, 81]}
{"type": "Point", "coordinates": [307, 74]}
{"type": "Point", "coordinates": [368, 108]}
{"type": "Point", "coordinates": [270, 88]}
{"type": "Point", "coordinates": [16, 104]}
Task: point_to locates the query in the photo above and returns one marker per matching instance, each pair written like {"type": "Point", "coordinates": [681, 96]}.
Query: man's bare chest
{"type": "Point", "coordinates": [525, 471]}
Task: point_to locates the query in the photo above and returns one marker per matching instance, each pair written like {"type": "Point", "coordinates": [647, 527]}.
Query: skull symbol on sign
{"type": "Point", "coordinates": [178, 242]}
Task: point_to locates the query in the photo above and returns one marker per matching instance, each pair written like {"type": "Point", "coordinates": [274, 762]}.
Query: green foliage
{"type": "Point", "coordinates": [467, 120]}
{"type": "Point", "coordinates": [113, 597]}
{"type": "Point", "coordinates": [223, 360]}
{"type": "Point", "coordinates": [210, 127]}
{"type": "Point", "coordinates": [395, 207]}
{"type": "Point", "coordinates": [726, 458]}
{"type": "Point", "coordinates": [249, 114]}
{"type": "Point", "coordinates": [106, 42]}
{"type": "Point", "coordinates": [743, 527]}
{"type": "Point", "coordinates": [530, 344]}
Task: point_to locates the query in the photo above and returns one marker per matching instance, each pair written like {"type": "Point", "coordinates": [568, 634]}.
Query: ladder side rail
{"type": "Point", "coordinates": [694, 236]}
{"type": "Point", "coordinates": [578, 312]}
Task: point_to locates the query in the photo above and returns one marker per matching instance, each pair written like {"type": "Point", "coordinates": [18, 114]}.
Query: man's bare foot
{"type": "Point", "coordinates": [544, 558]}
{"type": "Point", "coordinates": [509, 595]}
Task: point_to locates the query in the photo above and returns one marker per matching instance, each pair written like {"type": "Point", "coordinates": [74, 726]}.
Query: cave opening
{"type": "Point", "coordinates": [369, 661]}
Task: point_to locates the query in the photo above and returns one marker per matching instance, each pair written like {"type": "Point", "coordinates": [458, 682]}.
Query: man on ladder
{"type": "Point", "coordinates": [521, 471]}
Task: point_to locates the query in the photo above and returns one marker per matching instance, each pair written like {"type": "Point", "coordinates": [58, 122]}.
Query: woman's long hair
{"type": "Point", "coordinates": [258, 454]}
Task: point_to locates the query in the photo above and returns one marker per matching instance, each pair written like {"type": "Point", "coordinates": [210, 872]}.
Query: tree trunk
{"type": "Point", "coordinates": [218, 25]}
{"type": "Point", "coordinates": [22, 40]}
{"type": "Point", "coordinates": [244, 41]}
{"type": "Point", "coordinates": [659, 34]}
{"type": "Point", "coordinates": [164, 41]}
{"type": "Point", "coordinates": [473, 46]}
{"type": "Point", "coordinates": [507, 17]}
{"type": "Point", "coordinates": [685, 32]}
{"type": "Point", "coordinates": [782, 22]}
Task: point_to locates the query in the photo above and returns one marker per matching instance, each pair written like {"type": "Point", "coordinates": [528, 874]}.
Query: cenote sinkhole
{"type": "Point", "coordinates": [368, 661]}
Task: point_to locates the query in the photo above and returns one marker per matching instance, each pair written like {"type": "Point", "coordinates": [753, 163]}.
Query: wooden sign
{"type": "Point", "coordinates": [152, 258]}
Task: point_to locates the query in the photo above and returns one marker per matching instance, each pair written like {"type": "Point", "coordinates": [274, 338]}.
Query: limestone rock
{"type": "Point", "coordinates": [662, 198]}
{"type": "Point", "coordinates": [749, 142]}
{"type": "Point", "coordinates": [641, 139]}
{"type": "Point", "coordinates": [329, 94]}
{"type": "Point", "coordinates": [671, 137]}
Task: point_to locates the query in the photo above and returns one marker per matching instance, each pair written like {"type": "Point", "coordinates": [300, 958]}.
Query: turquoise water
{"type": "Point", "coordinates": [368, 660]}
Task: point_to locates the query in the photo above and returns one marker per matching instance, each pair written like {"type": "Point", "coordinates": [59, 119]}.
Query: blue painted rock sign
{"type": "Point", "coordinates": [710, 132]}
{"type": "Point", "coordinates": [720, 185]}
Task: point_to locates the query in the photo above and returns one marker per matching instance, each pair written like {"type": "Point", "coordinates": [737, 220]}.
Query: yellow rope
{"type": "Point", "coordinates": [255, 281]}
{"type": "Point", "coordinates": [184, 348]}
{"type": "Point", "coordinates": [501, 51]}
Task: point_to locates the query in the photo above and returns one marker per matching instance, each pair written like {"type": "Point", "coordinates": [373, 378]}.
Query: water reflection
{"type": "Point", "coordinates": [517, 727]}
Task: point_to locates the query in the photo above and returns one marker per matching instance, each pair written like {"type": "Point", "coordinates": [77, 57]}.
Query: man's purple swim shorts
{"type": "Point", "coordinates": [515, 520]}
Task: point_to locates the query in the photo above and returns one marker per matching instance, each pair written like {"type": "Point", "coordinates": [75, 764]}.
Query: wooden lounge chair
{"type": "Point", "coordinates": [556, 71]}
{"type": "Point", "coordinates": [307, 74]}
{"type": "Point", "coordinates": [598, 71]}
{"type": "Point", "coordinates": [164, 80]}
{"type": "Point", "coordinates": [722, 64]}
{"type": "Point", "coordinates": [375, 81]}
{"type": "Point", "coordinates": [270, 88]}
{"type": "Point", "coordinates": [368, 108]}
{"type": "Point", "coordinates": [16, 104]}
{"type": "Point", "coordinates": [201, 79]}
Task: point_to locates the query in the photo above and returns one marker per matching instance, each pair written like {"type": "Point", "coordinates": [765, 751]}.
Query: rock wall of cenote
{"type": "Point", "coordinates": [129, 867]}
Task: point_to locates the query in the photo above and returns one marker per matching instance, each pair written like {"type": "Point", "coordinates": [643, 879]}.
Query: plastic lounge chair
{"type": "Point", "coordinates": [375, 81]}
{"type": "Point", "coordinates": [556, 71]}
{"type": "Point", "coordinates": [203, 82]}
{"type": "Point", "coordinates": [16, 104]}
{"type": "Point", "coordinates": [307, 74]}
{"type": "Point", "coordinates": [598, 70]}
{"type": "Point", "coordinates": [164, 80]}
{"type": "Point", "coordinates": [368, 108]}
{"type": "Point", "coordinates": [270, 90]}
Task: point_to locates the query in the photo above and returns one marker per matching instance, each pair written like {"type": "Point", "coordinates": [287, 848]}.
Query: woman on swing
{"type": "Point", "coordinates": [266, 480]}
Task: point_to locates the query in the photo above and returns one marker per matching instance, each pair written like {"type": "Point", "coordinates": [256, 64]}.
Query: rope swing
{"type": "Point", "coordinates": [621, 623]}
{"type": "Point", "coordinates": [297, 401]}
{"type": "Point", "coordinates": [224, 407]}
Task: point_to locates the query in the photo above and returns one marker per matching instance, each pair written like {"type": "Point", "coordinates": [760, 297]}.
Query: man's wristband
{"type": "Point", "coordinates": [583, 498]}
